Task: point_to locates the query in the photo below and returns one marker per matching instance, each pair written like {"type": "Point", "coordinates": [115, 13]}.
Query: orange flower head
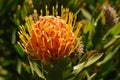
{"type": "Point", "coordinates": [47, 38]}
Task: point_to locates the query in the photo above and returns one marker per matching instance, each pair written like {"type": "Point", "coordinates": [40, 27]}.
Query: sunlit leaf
{"type": "Point", "coordinates": [88, 28]}
{"type": "Point", "coordinates": [110, 42]}
{"type": "Point", "coordinates": [79, 66]}
{"type": "Point", "coordinates": [35, 68]}
{"type": "Point", "coordinates": [31, 66]}
{"type": "Point", "coordinates": [19, 67]}
{"type": "Point", "coordinates": [90, 77]}
{"type": "Point", "coordinates": [113, 31]}
{"type": "Point", "coordinates": [116, 29]}
{"type": "Point", "coordinates": [100, 16]}
{"type": "Point", "coordinates": [93, 59]}
{"type": "Point", "coordinates": [86, 14]}
{"type": "Point", "coordinates": [109, 56]}
{"type": "Point", "coordinates": [76, 70]}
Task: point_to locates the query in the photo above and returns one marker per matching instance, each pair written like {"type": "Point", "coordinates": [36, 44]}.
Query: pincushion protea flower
{"type": "Point", "coordinates": [49, 37]}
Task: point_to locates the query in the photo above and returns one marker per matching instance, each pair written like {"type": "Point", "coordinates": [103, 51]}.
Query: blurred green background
{"type": "Point", "coordinates": [97, 35]}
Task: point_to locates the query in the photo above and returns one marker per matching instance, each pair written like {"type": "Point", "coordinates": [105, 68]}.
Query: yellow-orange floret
{"type": "Point", "coordinates": [49, 38]}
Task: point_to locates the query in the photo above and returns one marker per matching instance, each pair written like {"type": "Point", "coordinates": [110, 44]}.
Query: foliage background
{"type": "Point", "coordinates": [13, 62]}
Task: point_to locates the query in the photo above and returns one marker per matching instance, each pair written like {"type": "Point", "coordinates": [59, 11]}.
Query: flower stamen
{"type": "Point", "coordinates": [47, 38]}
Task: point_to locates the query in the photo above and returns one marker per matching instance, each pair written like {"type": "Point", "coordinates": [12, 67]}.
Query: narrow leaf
{"type": "Point", "coordinates": [110, 42]}
{"type": "Point", "coordinates": [114, 31]}
{"type": "Point", "coordinates": [31, 66]}
{"type": "Point", "coordinates": [19, 50]}
{"type": "Point", "coordinates": [19, 67]}
{"type": "Point", "coordinates": [90, 77]}
{"type": "Point", "coordinates": [88, 28]}
{"type": "Point", "coordinates": [76, 70]}
{"type": "Point", "coordinates": [93, 59]}
{"type": "Point", "coordinates": [109, 56]}
{"type": "Point", "coordinates": [37, 70]}
{"type": "Point", "coordinates": [86, 14]}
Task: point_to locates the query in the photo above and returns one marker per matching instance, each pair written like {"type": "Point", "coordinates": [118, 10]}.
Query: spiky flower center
{"type": "Point", "coordinates": [47, 37]}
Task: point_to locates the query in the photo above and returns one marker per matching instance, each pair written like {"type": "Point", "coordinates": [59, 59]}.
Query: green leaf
{"type": "Point", "coordinates": [35, 68]}
{"type": "Point", "coordinates": [90, 77]}
{"type": "Point", "coordinates": [19, 67]}
{"type": "Point", "coordinates": [13, 36]}
{"type": "Point", "coordinates": [86, 14]}
{"type": "Point", "coordinates": [76, 70]}
{"type": "Point", "coordinates": [110, 42]}
{"type": "Point", "coordinates": [93, 59]}
{"type": "Point", "coordinates": [79, 66]}
{"type": "Point", "coordinates": [19, 50]}
{"type": "Point", "coordinates": [38, 72]}
{"type": "Point", "coordinates": [101, 14]}
{"type": "Point", "coordinates": [88, 28]}
{"type": "Point", "coordinates": [31, 66]}
{"type": "Point", "coordinates": [107, 69]}
{"type": "Point", "coordinates": [116, 29]}
{"type": "Point", "coordinates": [109, 56]}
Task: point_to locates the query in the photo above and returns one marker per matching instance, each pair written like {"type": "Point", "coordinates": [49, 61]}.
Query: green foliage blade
{"type": "Point", "coordinates": [93, 59]}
